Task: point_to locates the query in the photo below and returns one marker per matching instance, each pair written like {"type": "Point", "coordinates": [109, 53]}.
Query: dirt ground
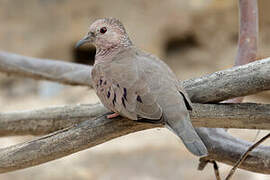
{"type": "Point", "coordinates": [194, 37]}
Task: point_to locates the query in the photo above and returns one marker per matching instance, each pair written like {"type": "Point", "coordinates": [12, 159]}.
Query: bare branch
{"type": "Point", "coordinates": [248, 32]}
{"type": "Point", "coordinates": [244, 156]}
{"type": "Point", "coordinates": [248, 39]}
{"type": "Point", "coordinates": [64, 142]}
{"type": "Point", "coordinates": [248, 36]}
{"type": "Point", "coordinates": [234, 82]}
{"type": "Point", "coordinates": [96, 131]}
{"type": "Point", "coordinates": [45, 69]}
{"type": "Point", "coordinates": [47, 120]}
{"type": "Point", "coordinates": [203, 161]}
{"type": "Point", "coordinates": [216, 170]}
{"type": "Point", "coordinates": [238, 81]}
{"type": "Point", "coordinates": [227, 149]}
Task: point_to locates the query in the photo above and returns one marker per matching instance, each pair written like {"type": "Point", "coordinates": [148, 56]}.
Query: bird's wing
{"type": "Point", "coordinates": [134, 96]}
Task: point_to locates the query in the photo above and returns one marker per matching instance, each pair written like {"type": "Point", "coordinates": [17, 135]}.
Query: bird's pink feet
{"type": "Point", "coordinates": [112, 115]}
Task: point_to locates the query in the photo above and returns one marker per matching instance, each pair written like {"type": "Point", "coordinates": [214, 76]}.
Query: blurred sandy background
{"type": "Point", "coordinates": [194, 37]}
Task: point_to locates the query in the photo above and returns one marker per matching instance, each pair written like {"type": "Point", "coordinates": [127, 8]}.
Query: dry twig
{"type": "Point", "coordinates": [244, 156]}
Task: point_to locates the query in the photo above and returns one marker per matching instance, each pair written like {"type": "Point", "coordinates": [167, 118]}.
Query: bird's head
{"type": "Point", "coordinates": [106, 33]}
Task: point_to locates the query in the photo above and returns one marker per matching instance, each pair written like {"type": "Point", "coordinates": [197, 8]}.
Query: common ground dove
{"type": "Point", "coordinates": [137, 85]}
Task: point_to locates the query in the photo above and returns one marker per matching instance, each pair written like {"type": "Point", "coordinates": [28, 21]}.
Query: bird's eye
{"type": "Point", "coordinates": [103, 30]}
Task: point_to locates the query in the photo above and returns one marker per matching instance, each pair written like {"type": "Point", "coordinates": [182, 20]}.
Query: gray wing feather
{"type": "Point", "coordinates": [134, 93]}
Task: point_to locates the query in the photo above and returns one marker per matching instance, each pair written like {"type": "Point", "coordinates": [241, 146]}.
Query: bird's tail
{"type": "Point", "coordinates": [179, 123]}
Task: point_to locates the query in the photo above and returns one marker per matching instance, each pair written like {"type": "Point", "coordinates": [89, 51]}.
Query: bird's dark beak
{"type": "Point", "coordinates": [89, 38]}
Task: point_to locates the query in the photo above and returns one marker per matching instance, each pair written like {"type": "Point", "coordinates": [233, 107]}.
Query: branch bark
{"type": "Point", "coordinates": [248, 32]}
{"type": "Point", "coordinates": [234, 82]}
{"type": "Point", "coordinates": [248, 36]}
{"type": "Point", "coordinates": [237, 81]}
{"type": "Point", "coordinates": [94, 131]}
{"type": "Point", "coordinates": [45, 69]}
{"type": "Point", "coordinates": [48, 120]}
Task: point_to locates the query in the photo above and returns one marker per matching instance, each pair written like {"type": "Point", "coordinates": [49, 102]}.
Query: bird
{"type": "Point", "coordinates": [137, 85]}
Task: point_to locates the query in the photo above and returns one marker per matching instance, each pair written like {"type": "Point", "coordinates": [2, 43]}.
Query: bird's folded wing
{"type": "Point", "coordinates": [134, 98]}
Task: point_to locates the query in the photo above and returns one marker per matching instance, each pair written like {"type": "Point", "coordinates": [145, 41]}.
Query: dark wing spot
{"type": "Point", "coordinates": [118, 85]}
{"type": "Point", "coordinates": [108, 94]}
{"type": "Point", "coordinates": [114, 99]}
{"type": "Point", "coordinates": [125, 94]}
{"type": "Point", "coordinates": [139, 99]}
{"type": "Point", "coordinates": [105, 82]}
{"type": "Point", "coordinates": [189, 107]}
{"type": "Point", "coordinates": [123, 102]}
{"type": "Point", "coordinates": [100, 81]}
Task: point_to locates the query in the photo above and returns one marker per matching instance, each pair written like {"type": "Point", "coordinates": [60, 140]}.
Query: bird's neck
{"type": "Point", "coordinates": [107, 54]}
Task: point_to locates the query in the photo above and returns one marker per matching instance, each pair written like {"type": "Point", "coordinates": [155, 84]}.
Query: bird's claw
{"type": "Point", "coordinates": [110, 116]}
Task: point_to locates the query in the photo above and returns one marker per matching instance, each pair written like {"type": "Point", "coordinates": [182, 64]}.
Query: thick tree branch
{"type": "Point", "coordinates": [234, 82]}
{"type": "Point", "coordinates": [238, 81]}
{"type": "Point", "coordinates": [47, 120]}
{"type": "Point", "coordinates": [248, 32]}
{"type": "Point", "coordinates": [227, 149]}
{"type": "Point", "coordinates": [248, 36]}
{"type": "Point", "coordinates": [247, 48]}
{"type": "Point", "coordinates": [44, 69]}
{"type": "Point", "coordinates": [98, 130]}
{"type": "Point", "coordinates": [67, 141]}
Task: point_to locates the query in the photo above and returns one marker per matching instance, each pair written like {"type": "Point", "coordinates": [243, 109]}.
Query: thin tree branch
{"type": "Point", "coordinates": [244, 156]}
{"type": "Point", "coordinates": [237, 81]}
{"type": "Point", "coordinates": [216, 170]}
{"type": "Point", "coordinates": [204, 161]}
{"type": "Point", "coordinates": [47, 120]}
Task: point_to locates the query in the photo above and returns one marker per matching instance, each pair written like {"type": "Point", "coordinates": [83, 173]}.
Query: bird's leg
{"type": "Point", "coordinates": [110, 116]}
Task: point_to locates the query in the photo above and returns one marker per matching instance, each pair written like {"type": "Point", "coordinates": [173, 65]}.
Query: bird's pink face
{"type": "Point", "coordinates": [104, 34]}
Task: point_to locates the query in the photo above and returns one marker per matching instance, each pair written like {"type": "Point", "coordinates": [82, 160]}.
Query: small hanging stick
{"type": "Point", "coordinates": [244, 156]}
